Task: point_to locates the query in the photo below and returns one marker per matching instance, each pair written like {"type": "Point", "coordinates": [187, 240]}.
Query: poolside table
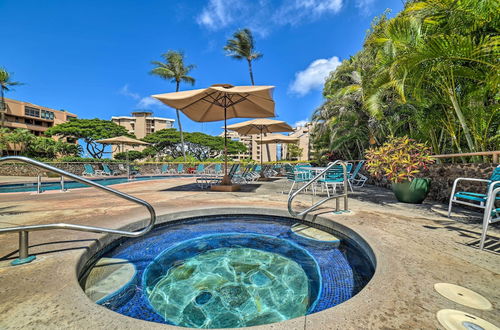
{"type": "Point", "coordinates": [316, 170]}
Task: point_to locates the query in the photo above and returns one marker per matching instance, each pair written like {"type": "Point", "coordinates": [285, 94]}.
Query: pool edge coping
{"type": "Point", "coordinates": [366, 245]}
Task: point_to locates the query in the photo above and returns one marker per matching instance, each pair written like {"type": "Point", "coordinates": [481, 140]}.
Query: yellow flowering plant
{"type": "Point", "coordinates": [400, 159]}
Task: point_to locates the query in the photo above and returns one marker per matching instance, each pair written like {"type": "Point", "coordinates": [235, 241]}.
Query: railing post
{"type": "Point", "coordinates": [23, 244]}
{"type": "Point", "coordinates": [39, 184]}
{"type": "Point", "coordinates": [24, 257]}
{"type": "Point", "coordinates": [62, 184]}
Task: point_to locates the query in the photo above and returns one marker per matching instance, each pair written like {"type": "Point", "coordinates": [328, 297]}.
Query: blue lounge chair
{"type": "Point", "coordinates": [88, 170]}
{"type": "Point", "coordinates": [200, 169]}
{"type": "Point", "coordinates": [107, 170]}
{"type": "Point", "coordinates": [475, 199]}
{"type": "Point", "coordinates": [206, 181]}
{"type": "Point", "coordinates": [164, 169]}
{"type": "Point", "coordinates": [180, 168]}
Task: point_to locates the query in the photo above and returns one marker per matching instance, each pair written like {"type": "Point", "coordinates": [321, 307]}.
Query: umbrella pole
{"type": "Point", "coordinates": [226, 181]}
{"type": "Point", "coordinates": [128, 164]}
{"type": "Point", "coordinates": [261, 156]}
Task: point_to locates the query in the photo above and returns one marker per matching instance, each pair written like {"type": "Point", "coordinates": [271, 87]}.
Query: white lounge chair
{"type": "Point", "coordinates": [491, 214]}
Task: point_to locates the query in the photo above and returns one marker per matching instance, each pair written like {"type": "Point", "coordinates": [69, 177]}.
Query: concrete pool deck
{"type": "Point", "coordinates": [415, 246]}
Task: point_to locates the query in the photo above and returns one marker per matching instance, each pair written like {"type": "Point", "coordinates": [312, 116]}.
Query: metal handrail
{"type": "Point", "coordinates": [23, 230]}
{"type": "Point", "coordinates": [316, 178]}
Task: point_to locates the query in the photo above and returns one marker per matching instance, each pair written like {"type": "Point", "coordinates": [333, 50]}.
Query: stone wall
{"type": "Point", "coordinates": [443, 176]}
{"type": "Point", "coordinates": [22, 169]}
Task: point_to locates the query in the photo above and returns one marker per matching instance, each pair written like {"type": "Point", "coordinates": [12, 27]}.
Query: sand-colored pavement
{"type": "Point", "coordinates": [416, 247]}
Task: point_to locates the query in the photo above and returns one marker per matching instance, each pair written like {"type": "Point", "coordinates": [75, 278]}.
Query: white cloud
{"type": "Point", "coordinates": [300, 123]}
{"type": "Point", "coordinates": [298, 11]}
{"type": "Point", "coordinates": [261, 16]}
{"type": "Point", "coordinates": [313, 77]}
{"type": "Point", "coordinates": [365, 6]}
{"type": "Point", "coordinates": [126, 91]}
{"type": "Point", "coordinates": [218, 14]}
{"type": "Point", "coordinates": [148, 102]}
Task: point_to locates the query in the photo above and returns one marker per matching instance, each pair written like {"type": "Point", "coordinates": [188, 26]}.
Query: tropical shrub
{"type": "Point", "coordinates": [89, 130]}
{"type": "Point", "coordinates": [430, 73]}
{"type": "Point", "coordinates": [132, 155]}
{"type": "Point", "coordinates": [399, 159]}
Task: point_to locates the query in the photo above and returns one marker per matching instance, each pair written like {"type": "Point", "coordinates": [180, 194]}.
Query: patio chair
{"type": "Point", "coordinates": [88, 170]}
{"type": "Point", "coordinates": [245, 176]}
{"type": "Point", "coordinates": [217, 169]}
{"type": "Point", "coordinates": [206, 181]}
{"type": "Point", "coordinates": [164, 169]}
{"type": "Point", "coordinates": [179, 170]}
{"type": "Point", "coordinates": [491, 214]}
{"type": "Point", "coordinates": [356, 178]}
{"type": "Point", "coordinates": [295, 176]}
{"type": "Point", "coordinates": [200, 169]}
{"type": "Point", "coordinates": [123, 169]}
{"type": "Point", "coordinates": [334, 177]}
{"type": "Point", "coordinates": [475, 199]}
{"type": "Point", "coordinates": [108, 171]}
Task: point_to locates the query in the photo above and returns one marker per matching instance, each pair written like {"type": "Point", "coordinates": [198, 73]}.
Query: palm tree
{"type": "Point", "coordinates": [176, 71]}
{"type": "Point", "coordinates": [5, 83]}
{"type": "Point", "coordinates": [241, 47]}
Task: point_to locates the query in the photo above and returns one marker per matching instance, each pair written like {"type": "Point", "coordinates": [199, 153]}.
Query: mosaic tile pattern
{"type": "Point", "coordinates": [344, 270]}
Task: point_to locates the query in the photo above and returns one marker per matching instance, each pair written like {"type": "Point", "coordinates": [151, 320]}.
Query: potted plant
{"type": "Point", "coordinates": [399, 160]}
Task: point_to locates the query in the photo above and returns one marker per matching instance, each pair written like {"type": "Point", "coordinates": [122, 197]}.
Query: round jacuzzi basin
{"type": "Point", "coordinates": [226, 272]}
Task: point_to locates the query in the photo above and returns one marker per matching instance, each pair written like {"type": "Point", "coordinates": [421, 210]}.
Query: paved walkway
{"type": "Point", "coordinates": [416, 247]}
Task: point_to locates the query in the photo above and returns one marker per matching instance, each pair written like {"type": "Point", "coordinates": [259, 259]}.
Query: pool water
{"type": "Point", "coordinates": [25, 187]}
{"type": "Point", "coordinates": [234, 271]}
{"type": "Point", "coordinates": [229, 288]}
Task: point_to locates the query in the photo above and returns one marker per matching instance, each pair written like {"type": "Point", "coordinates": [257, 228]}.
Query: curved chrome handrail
{"type": "Point", "coordinates": [23, 230]}
{"type": "Point", "coordinates": [316, 178]}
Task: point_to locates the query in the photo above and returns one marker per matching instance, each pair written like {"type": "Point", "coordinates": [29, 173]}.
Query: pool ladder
{"type": "Point", "coordinates": [337, 197]}
{"type": "Point", "coordinates": [23, 231]}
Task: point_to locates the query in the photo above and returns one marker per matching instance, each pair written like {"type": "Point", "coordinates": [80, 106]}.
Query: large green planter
{"type": "Point", "coordinates": [412, 192]}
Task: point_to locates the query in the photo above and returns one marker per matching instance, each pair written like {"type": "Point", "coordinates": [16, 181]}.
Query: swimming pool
{"type": "Point", "coordinates": [232, 271]}
{"type": "Point", "coordinates": [56, 185]}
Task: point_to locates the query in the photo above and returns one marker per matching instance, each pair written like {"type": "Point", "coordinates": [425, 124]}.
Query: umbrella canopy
{"type": "Point", "coordinates": [222, 102]}
{"type": "Point", "coordinates": [278, 138]}
{"type": "Point", "coordinates": [259, 126]}
{"type": "Point", "coordinates": [123, 141]}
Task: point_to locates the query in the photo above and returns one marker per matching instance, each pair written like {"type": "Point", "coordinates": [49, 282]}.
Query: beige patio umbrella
{"type": "Point", "coordinates": [260, 126]}
{"type": "Point", "coordinates": [222, 102]}
{"type": "Point", "coordinates": [123, 141]}
{"type": "Point", "coordinates": [278, 138]}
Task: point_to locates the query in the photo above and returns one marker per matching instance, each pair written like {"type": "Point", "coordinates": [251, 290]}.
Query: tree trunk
{"type": "Point", "coordinates": [3, 108]}
{"type": "Point", "coordinates": [250, 70]}
{"type": "Point", "coordinates": [180, 125]}
{"type": "Point", "coordinates": [461, 119]}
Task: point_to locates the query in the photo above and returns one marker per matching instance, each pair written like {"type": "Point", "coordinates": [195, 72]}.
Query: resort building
{"type": "Point", "coordinates": [143, 123]}
{"type": "Point", "coordinates": [271, 152]}
{"type": "Point", "coordinates": [303, 134]}
{"type": "Point", "coordinates": [35, 118]}
{"type": "Point", "coordinates": [254, 150]}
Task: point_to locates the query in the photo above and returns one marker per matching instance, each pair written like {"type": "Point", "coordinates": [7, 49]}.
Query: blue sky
{"type": "Point", "coordinates": [92, 57]}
